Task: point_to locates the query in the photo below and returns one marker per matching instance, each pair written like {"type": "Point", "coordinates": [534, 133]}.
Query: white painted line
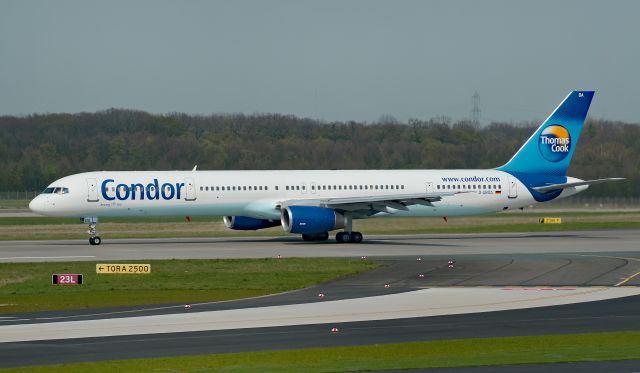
{"type": "Point", "coordinates": [48, 257]}
{"type": "Point", "coordinates": [420, 303]}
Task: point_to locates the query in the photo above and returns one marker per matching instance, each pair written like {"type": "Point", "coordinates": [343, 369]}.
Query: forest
{"type": "Point", "coordinates": [37, 149]}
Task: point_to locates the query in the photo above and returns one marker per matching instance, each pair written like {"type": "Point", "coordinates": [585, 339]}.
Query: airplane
{"type": "Point", "coordinates": [314, 202]}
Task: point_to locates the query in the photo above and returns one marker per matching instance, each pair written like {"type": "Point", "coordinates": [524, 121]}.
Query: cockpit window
{"type": "Point", "coordinates": [56, 190]}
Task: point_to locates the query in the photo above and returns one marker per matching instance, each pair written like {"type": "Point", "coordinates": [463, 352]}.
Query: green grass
{"type": "Point", "coordinates": [42, 228]}
{"type": "Point", "coordinates": [432, 354]}
{"type": "Point", "coordinates": [14, 203]}
{"type": "Point", "coordinates": [27, 286]}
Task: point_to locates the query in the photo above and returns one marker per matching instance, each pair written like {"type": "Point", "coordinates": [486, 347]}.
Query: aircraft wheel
{"type": "Point", "coordinates": [306, 237]}
{"type": "Point", "coordinates": [91, 241]}
{"type": "Point", "coordinates": [343, 237]}
{"type": "Point", "coordinates": [95, 240]}
{"type": "Point", "coordinates": [356, 237]}
{"type": "Point", "coordinates": [323, 236]}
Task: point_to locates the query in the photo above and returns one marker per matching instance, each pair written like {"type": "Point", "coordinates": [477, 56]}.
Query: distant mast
{"type": "Point", "coordinates": [475, 110]}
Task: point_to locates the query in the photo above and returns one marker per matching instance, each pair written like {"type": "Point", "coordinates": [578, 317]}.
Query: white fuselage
{"type": "Point", "coordinates": [259, 194]}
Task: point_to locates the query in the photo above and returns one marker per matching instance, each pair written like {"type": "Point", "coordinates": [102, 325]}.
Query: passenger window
{"type": "Point", "coordinates": [297, 187]}
{"type": "Point", "coordinates": [267, 188]}
{"type": "Point", "coordinates": [402, 186]}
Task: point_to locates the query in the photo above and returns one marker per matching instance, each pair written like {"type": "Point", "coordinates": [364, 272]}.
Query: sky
{"type": "Point", "coordinates": [330, 60]}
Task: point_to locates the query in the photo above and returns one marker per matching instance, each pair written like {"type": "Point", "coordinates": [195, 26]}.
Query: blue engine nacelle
{"type": "Point", "coordinates": [245, 223]}
{"type": "Point", "coordinates": [310, 219]}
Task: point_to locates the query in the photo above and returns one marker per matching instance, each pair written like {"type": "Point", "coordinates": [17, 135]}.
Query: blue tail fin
{"type": "Point", "coordinates": [548, 152]}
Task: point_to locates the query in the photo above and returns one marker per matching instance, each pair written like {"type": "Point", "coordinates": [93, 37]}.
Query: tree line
{"type": "Point", "coordinates": [39, 148]}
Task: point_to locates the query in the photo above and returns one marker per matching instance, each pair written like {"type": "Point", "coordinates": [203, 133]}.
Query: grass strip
{"type": "Point", "coordinates": [26, 287]}
{"type": "Point", "coordinates": [415, 355]}
{"type": "Point", "coordinates": [45, 228]}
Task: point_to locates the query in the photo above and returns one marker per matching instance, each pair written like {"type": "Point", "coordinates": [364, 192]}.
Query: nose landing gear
{"type": "Point", "coordinates": [94, 239]}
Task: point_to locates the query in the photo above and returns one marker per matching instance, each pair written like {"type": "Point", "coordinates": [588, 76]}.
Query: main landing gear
{"type": "Point", "coordinates": [348, 235]}
{"type": "Point", "coordinates": [344, 237]}
{"type": "Point", "coordinates": [94, 239]}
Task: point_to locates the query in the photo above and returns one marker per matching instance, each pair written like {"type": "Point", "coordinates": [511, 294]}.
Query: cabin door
{"type": "Point", "coordinates": [513, 187]}
{"type": "Point", "coordinates": [190, 186]}
{"type": "Point", "coordinates": [92, 190]}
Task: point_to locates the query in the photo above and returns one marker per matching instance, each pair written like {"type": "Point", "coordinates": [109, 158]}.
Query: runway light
{"type": "Point", "coordinates": [387, 286]}
{"type": "Point", "coordinates": [419, 259]}
{"type": "Point", "coordinates": [334, 330]}
{"type": "Point", "coordinates": [320, 295]}
{"type": "Point", "coordinates": [187, 307]}
{"type": "Point", "coordinates": [279, 256]}
{"type": "Point", "coordinates": [421, 276]}
{"type": "Point", "coordinates": [363, 257]}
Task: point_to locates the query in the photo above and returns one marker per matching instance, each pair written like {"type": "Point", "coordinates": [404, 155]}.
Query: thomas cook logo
{"type": "Point", "coordinates": [554, 143]}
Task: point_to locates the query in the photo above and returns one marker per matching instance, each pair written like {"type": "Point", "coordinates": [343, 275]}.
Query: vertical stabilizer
{"type": "Point", "coordinates": [549, 150]}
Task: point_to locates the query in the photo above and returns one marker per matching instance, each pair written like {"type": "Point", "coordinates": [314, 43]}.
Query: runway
{"type": "Point", "coordinates": [618, 241]}
{"type": "Point", "coordinates": [501, 285]}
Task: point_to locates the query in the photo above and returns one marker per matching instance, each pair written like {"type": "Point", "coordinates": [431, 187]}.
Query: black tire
{"type": "Point", "coordinates": [91, 241]}
{"type": "Point", "coordinates": [97, 240]}
{"type": "Point", "coordinates": [306, 237]}
{"type": "Point", "coordinates": [339, 237]}
{"type": "Point", "coordinates": [356, 237]}
{"type": "Point", "coordinates": [323, 236]}
{"type": "Point", "coordinates": [346, 236]}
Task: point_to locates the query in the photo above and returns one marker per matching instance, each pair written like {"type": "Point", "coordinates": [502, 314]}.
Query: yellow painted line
{"type": "Point", "coordinates": [627, 279]}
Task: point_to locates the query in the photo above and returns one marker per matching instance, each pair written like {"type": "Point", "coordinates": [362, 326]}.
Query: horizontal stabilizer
{"type": "Point", "coordinates": [547, 188]}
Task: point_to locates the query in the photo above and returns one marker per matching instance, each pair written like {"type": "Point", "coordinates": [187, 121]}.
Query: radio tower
{"type": "Point", "coordinates": [475, 111]}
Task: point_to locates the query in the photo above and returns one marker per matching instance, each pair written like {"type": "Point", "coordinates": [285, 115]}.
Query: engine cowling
{"type": "Point", "coordinates": [310, 219]}
{"type": "Point", "coordinates": [245, 223]}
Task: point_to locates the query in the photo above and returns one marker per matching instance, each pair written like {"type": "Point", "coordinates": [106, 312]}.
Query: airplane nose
{"type": "Point", "coordinates": [36, 205]}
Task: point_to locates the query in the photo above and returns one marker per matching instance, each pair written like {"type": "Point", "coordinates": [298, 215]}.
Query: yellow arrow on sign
{"type": "Point", "coordinates": [120, 268]}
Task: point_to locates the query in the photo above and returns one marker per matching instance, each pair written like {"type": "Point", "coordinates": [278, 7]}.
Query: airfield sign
{"type": "Point", "coordinates": [119, 268]}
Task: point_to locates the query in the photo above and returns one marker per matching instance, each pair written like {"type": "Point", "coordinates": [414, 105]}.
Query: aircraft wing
{"type": "Point", "coordinates": [373, 204]}
{"type": "Point", "coordinates": [547, 188]}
